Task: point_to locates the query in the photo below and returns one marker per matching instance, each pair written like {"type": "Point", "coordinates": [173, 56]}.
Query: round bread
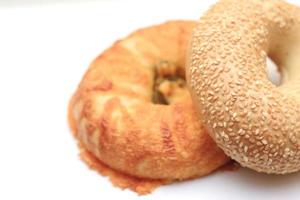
{"type": "Point", "coordinates": [133, 112]}
{"type": "Point", "coordinates": [252, 120]}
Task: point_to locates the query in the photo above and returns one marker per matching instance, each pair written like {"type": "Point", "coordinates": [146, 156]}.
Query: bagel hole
{"type": "Point", "coordinates": [169, 83]}
{"type": "Point", "coordinates": [273, 72]}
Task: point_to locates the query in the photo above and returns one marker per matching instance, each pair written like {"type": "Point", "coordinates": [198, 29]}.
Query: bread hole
{"type": "Point", "coordinates": [169, 83]}
{"type": "Point", "coordinates": [273, 73]}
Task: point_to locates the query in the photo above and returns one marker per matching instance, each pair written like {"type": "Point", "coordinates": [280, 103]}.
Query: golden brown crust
{"type": "Point", "coordinates": [124, 181]}
{"type": "Point", "coordinates": [252, 120]}
{"type": "Point", "coordinates": [112, 115]}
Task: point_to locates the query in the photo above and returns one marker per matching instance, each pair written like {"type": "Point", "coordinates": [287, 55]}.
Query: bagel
{"type": "Point", "coordinates": [255, 122]}
{"type": "Point", "coordinates": [132, 110]}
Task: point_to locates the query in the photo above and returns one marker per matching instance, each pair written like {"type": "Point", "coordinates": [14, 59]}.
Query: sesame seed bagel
{"type": "Point", "coordinates": [133, 112]}
{"type": "Point", "coordinates": [252, 120]}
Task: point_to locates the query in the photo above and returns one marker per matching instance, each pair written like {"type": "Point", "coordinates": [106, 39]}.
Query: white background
{"type": "Point", "coordinates": [45, 47]}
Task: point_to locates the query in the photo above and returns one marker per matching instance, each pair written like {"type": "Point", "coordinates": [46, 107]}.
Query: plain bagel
{"type": "Point", "coordinates": [252, 120]}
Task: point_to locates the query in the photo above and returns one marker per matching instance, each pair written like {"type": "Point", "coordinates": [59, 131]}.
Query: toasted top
{"type": "Point", "coordinates": [115, 117]}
